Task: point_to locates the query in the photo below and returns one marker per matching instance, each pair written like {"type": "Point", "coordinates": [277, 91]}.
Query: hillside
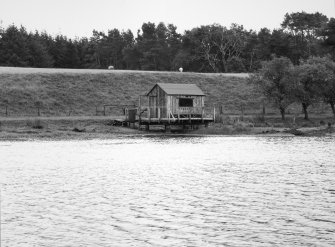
{"type": "Point", "coordinates": [79, 92]}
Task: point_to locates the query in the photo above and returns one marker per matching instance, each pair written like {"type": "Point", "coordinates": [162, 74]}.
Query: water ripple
{"type": "Point", "coordinates": [215, 191]}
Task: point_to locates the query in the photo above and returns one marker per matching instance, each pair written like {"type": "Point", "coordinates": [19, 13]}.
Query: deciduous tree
{"type": "Point", "coordinates": [310, 79]}
{"type": "Point", "coordinates": [274, 81]}
{"type": "Point", "coordinates": [326, 74]}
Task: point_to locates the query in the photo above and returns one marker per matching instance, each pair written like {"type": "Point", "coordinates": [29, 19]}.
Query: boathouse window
{"type": "Point", "coordinates": [185, 102]}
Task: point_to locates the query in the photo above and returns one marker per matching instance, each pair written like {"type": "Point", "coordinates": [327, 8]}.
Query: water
{"type": "Point", "coordinates": [214, 191]}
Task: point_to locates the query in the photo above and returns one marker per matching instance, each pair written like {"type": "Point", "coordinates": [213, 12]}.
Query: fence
{"type": "Point", "coordinates": [35, 111]}
{"type": "Point", "coordinates": [27, 110]}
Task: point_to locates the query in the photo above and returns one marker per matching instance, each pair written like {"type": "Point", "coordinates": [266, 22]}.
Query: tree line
{"type": "Point", "coordinates": [208, 48]}
{"type": "Point", "coordinates": [284, 83]}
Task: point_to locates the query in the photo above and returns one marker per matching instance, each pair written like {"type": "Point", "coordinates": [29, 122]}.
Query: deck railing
{"type": "Point", "coordinates": [157, 112]}
{"type": "Point", "coordinates": [189, 110]}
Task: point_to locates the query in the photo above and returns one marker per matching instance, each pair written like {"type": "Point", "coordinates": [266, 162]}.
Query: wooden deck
{"type": "Point", "coordinates": [174, 119]}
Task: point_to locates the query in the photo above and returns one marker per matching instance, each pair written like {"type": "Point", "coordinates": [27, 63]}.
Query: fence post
{"type": "Point", "coordinates": [242, 112]}
{"type": "Point", "coordinates": [202, 114]}
{"type": "Point", "coordinates": [149, 115]}
{"type": "Point", "coordinates": [139, 111]}
{"type": "Point", "coordinates": [214, 113]}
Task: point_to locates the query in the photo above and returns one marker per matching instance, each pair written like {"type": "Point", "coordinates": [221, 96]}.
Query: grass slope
{"type": "Point", "coordinates": [79, 91]}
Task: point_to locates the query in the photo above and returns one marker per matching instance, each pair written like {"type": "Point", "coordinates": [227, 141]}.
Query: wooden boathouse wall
{"type": "Point", "coordinates": [158, 101]}
{"type": "Point", "coordinates": [196, 108]}
{"type": "Point", "coordinates": [161, 104]}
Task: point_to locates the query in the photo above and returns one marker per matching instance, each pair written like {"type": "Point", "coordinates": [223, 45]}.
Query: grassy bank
{"type": "Point", "coordinates": [60, 92]}
{"type": "Point", "coordinates": [101, 127]}
{"type": "Point", "coordinates": [73, 92]}
{"type": "Point", "coordinates": [72, 127]}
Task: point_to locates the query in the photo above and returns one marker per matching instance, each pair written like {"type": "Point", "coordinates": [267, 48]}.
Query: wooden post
{"type": "Point", "coordinates": [159, 113]}
{"type": "Point", "coordinates": [139, 112]}
{"type": "Point", "coordinates": [149, 115]}
{"type": "Point", "coordinates": [139, 103]}
{"type": "Point", "coordinates": [126, 113]}
{"type": "Point", "coordinates": [214, 114]}
{"type": "Point", "coordinates": [202, 114]}
{"type": "Point", "coordinates": [104, 110]}
{"type": "Point", "coordinates": [263, 110]}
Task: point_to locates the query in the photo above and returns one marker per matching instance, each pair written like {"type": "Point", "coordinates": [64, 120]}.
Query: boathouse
{"type": "Point", "coordinates": [167, 100]}
{"type": "Point", "coordinates": [173, 106]}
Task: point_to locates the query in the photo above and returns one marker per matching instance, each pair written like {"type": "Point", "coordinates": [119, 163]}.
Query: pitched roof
{"type": "Point", "coordinates": [180, 89]}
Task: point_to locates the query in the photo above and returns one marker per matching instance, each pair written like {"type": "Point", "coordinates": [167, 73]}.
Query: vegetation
{"type": "Point", "coordinates": [326, 77]}
{"type": "Point", "coordinates": [308, 83]}
{"type": "Point", "coordinates": [274, 80]}
{"type": "Point", "coordinates": [208, 48]}
{"type": "Point", "coordinates": [67, 92]}
{"type": "Point", "coordinates": [78, 92]}
{"type": "Point", "coordinates": [309, 80]}
{"type": "Point", "coordinates": [292, 67]}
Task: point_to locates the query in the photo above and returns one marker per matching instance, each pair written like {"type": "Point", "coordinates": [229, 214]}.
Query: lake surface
{"type": "Point", "coordinates": [185, 191]}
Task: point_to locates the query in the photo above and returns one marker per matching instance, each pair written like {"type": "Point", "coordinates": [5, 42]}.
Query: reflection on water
{"type": "Point", "coordinates": [215, 191]}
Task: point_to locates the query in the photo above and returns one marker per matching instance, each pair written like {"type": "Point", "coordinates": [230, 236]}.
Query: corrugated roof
{"type": "Point", "coordinates": [180, 89]}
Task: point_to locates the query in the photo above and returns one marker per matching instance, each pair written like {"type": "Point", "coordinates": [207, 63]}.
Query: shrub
{"type": "Point", "coordinates": [259, 118]}
{"type": "Point", "coordinates": [36, 124]}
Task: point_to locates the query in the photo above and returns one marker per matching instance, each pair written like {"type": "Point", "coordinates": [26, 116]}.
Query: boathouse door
{"type": "Point", "coordinates": [153, 106]}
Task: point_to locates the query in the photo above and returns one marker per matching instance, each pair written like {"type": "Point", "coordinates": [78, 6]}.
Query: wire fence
{"type": "Point", "coordinates": [221, 109]}
{"type": "Point", "coordinates": [34, 111]}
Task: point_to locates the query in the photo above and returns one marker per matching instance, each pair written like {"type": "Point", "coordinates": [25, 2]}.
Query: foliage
{"type": "Point", "coordinates": [36, 124]}
{"type": "Point", "coordinates": [305, 28]}
{"type": "Point", "coordinates": [328, 33]}
{"type": "Point", "coordinates": [214, 46]}
{"type": "Point", "coordinates": [311, 77]}
{"type": "Point", "coordinates": [320, 74]}
{"type": "Point", "coordinates": [273, 80]}
{"type": "Point", "coordinates": [208, 48]}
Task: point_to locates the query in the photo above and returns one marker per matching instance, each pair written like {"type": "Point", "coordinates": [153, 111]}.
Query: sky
{"type": "Point", "coordinates": [78, 18]}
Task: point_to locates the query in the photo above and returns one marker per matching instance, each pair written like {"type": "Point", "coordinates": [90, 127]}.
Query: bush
{"type": "Point", "coordinates": [259, 118]}
{"type": "Point", "coordinates": [36, 124]}
{"type": "Point", "coordinates": [235, 64]}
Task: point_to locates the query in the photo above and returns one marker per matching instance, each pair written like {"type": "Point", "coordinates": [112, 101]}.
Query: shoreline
{"type": "Point", "coordinates": [92, 127]}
